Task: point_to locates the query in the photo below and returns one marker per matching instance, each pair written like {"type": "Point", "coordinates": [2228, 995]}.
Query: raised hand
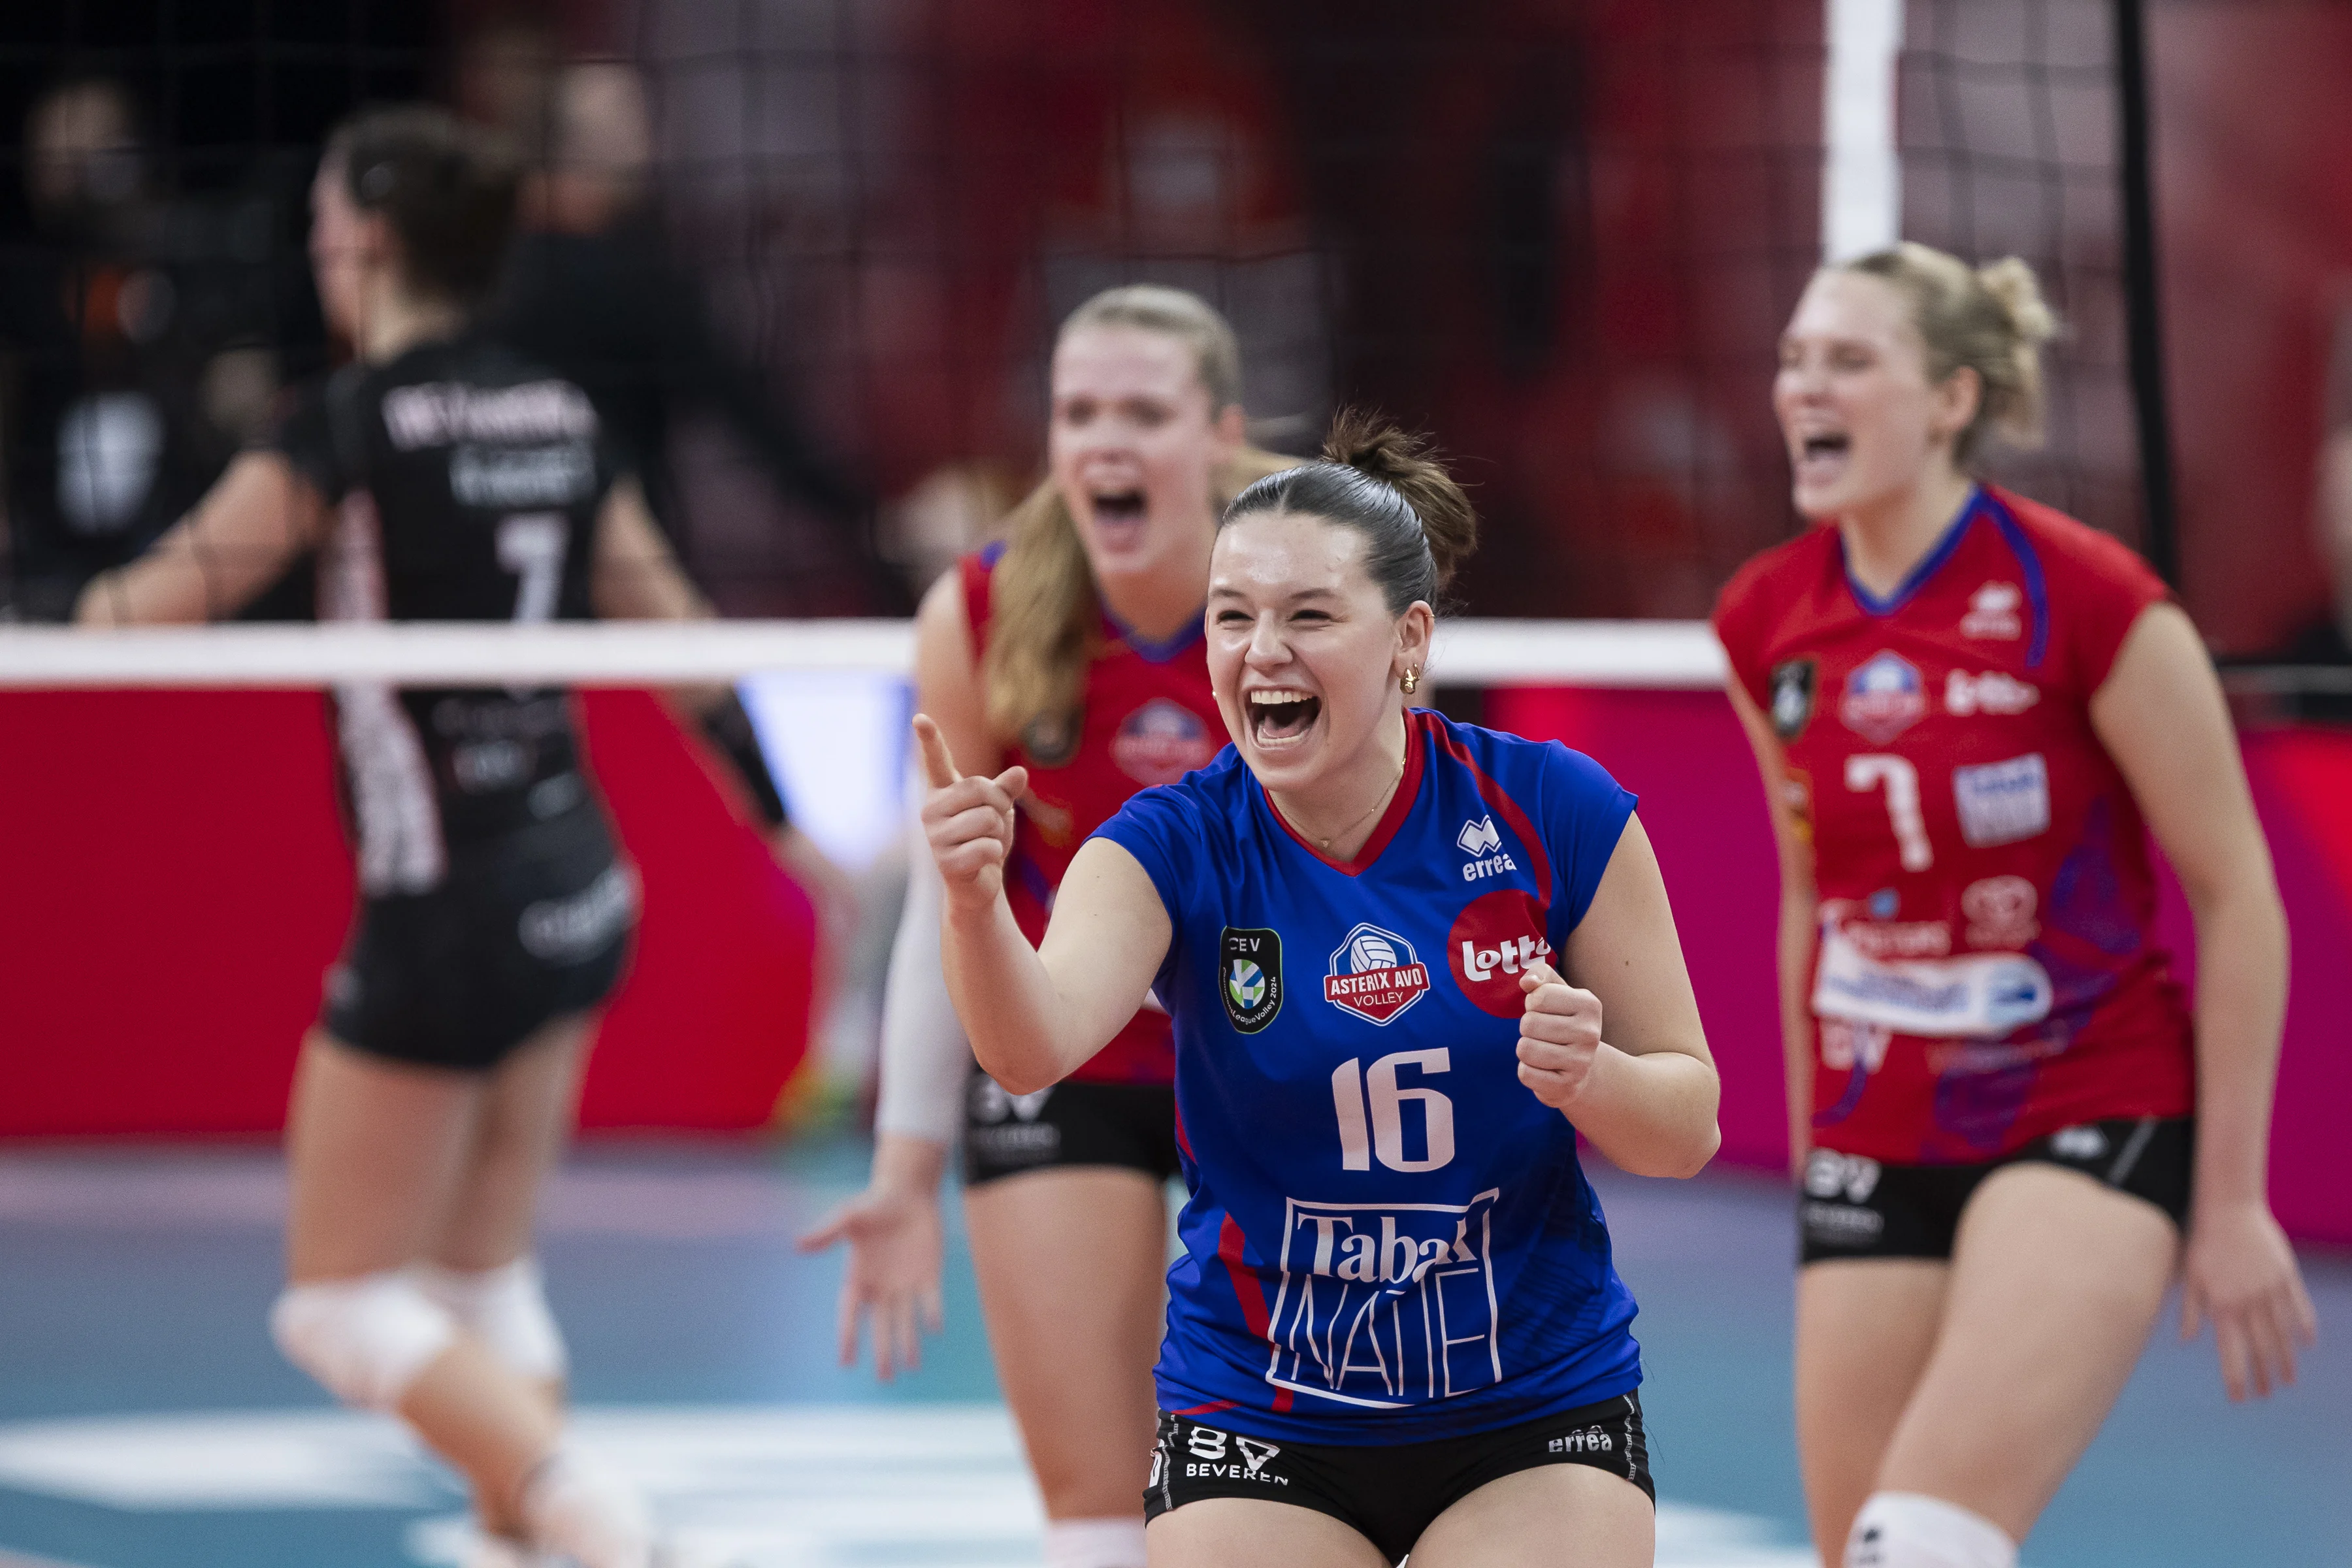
{"type": "Point", "coordinates": [1559, 1033]}
{"type": "Point", "coordinates": [969, 819]}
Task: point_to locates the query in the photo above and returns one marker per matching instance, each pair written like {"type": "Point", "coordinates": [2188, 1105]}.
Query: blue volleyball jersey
{"type": "Point", "coordinates": [1389, 1238]}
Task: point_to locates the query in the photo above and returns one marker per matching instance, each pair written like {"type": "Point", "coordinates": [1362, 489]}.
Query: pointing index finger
{"type": "Point", "coordinates": [938, 763]}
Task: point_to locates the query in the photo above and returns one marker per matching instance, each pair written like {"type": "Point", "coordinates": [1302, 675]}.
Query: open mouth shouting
{"type": "Point", "coordinates": [1280, 716]}
{"type": "Point", "coordinates": [1119, 515]}
{"type": "Point", "coordinates": [1821, 456]}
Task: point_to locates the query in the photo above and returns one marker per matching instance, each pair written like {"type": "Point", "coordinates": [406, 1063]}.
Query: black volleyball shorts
{"type": "Point", "coordinates": [1389, 1493]}
{"type": "Point", "coordinates": [1850, 1207]}
{"type": "Point", "coordinates": [523, 930]}
{"type": "Point", "coordinates": [1127, 1126]}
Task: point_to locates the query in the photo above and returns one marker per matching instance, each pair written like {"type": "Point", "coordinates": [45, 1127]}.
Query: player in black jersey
{"type": "Point", "coordinates": [443, 476]}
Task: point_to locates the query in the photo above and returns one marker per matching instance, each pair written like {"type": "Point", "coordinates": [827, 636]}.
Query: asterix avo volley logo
{"type": "Point", "coordinates": [1250, 961]}
{"type": "Point", "coordinates": [1375, 974]}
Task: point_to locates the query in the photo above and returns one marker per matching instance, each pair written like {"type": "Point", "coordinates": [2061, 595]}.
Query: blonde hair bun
{"type": "Point", "coordinates": [1991, 320]}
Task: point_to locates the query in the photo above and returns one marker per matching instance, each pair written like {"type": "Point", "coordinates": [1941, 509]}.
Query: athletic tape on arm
{"type": "Point", "coordinates": [925, 1058]}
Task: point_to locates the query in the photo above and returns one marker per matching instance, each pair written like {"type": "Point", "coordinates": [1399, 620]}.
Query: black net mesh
{"type": "Point", "coordinates": [810, 253]}
{"type": "Point", "coordinates": [153, 292]}
{"type": "Point", "coordinates": [2009, 131]}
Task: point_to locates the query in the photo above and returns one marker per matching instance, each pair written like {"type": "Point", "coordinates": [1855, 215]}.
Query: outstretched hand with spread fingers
{"type": "Point", "coordinates": [1559, 1033]}
{"type": "Point", "coordinates": [2238, 1270]}
{"type": "Point", "coordinates": [968, 819]}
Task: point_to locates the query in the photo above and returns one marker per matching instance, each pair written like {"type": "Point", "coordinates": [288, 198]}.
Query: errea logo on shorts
{"type": "Point", "coordinates": [1479, 840]}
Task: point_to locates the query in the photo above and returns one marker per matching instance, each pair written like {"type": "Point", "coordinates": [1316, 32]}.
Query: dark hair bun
{"type": "Point", "coordinates": [1384, 451]}
{"type": "Point", "coordinates": [447, 189]}
{"type": "Point", "coordinates": [1388, 485]}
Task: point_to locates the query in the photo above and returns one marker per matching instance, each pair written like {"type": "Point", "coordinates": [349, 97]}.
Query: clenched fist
{"type": "Point", "coordinates": [1559, 1033]}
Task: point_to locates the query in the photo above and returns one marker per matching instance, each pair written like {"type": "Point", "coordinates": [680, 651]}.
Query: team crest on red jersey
{"type": "Point", "coordinates": [1375, 974]}
{"type": "Point", "coordinates": [1161, 741]}
{"type": "Point", "coordinates": [1884, 696]}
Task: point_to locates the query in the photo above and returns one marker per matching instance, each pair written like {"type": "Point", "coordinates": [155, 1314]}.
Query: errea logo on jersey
{"type": "Point", "coordinates": [1375, 974]}
{"type": "Point", "coordinates": [1993, 614]}
{"type": "Point", "coordinates": [1479, 840]}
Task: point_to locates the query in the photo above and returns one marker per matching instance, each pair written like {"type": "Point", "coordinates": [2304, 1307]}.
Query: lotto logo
{"type": "Point", "coordinates": [1386, 1305]}
{"type": "Point", "coordinates": [1375, 974]}
{"type": "Point", "coordinates": [1992, 692]}
{"type": "Point", "coordinates": [1493, 940]}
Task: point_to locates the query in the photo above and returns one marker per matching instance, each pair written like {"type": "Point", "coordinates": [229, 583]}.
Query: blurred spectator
{"type": "Point", "coordinates": [129, 379]}
{"type": "Point", "coordinates": [2327, 642]}
{"type": "Point", "coordinates": [591, 291]}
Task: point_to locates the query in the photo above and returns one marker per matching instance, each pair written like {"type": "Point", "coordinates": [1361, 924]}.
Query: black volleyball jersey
{"type": "Point", "coordinates": [463, 483]}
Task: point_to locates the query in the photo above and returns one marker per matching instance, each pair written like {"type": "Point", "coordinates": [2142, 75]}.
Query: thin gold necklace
{"type": "Point", "coordinates": [1387, 792]}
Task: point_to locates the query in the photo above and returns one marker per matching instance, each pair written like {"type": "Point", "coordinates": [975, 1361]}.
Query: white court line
{"type": "Point", "coordinates": [880, 1486]}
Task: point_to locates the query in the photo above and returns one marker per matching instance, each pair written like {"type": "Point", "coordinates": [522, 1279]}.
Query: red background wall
{"type": "Point", "coordinates": [174, 884]}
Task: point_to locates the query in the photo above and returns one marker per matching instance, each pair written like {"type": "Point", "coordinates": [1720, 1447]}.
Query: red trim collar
{"type": "Point", "coordinates": [1418, 723]}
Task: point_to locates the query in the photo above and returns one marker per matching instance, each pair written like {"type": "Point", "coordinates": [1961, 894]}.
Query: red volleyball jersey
{"type": "Point", "coordinates": [1987, 972]}
{"type": "Point", "coordinates": [1149, 718]}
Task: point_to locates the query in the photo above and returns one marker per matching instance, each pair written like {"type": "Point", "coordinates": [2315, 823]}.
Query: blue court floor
{"type": "Point", "coordinates": [145, 1421]}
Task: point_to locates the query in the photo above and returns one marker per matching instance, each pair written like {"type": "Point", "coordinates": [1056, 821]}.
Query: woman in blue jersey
{"type": "Point", "coordinates": [1395, 1326]}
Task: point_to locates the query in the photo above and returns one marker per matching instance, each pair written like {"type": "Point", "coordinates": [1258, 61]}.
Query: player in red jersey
{"type": "Point", "coordinates": [1969, 711]}
{"type": "Point", "coordinates": [1075, 650]}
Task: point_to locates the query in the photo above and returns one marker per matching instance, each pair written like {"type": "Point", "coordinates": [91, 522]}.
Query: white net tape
{"type": "Point", "coordinates": [1657, 654]}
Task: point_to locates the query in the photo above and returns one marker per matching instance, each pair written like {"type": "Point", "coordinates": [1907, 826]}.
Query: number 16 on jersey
{"type": "Point", "coordinates": [1381, 1132]}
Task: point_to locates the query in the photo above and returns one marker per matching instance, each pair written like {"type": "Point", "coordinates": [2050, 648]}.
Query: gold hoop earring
{"type": "Point", "coordinates": [1411, 681]}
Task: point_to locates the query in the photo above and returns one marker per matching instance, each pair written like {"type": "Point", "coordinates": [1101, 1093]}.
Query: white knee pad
{"type": "Point", "coordinates": [365, 1339]}
{"type": "Point", "coordinates": [1093, 1543]}
{"type": "Point", "coordinates": [1911, 1530]}
{"type": "Point", "coordinates": [506, 1309]}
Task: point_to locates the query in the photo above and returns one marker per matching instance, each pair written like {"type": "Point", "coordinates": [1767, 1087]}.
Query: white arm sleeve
{"type": "Point", "coordinates": [925, 1058]}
